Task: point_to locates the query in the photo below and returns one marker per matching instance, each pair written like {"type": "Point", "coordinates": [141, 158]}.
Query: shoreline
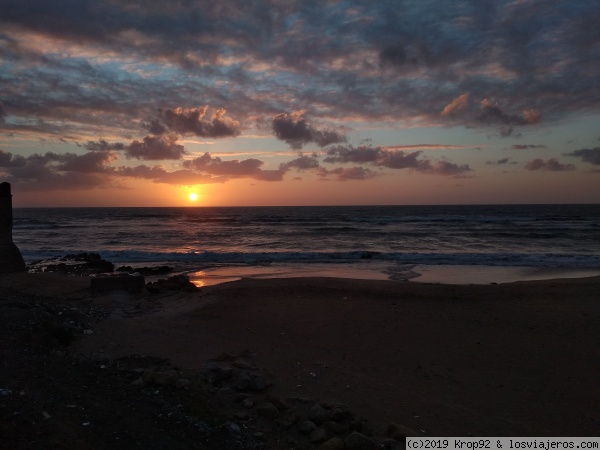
{"type": "Point", "coordinates": [439, 274]}
{"type": "Point", "coordinates": [506, 359]}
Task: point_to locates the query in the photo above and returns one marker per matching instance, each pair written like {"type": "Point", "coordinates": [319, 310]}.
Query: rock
{"type": "Point", "coordinates": [257, 384]}
{"type": "Point", "coordinates": [400, 432]}
{"type": "Point", "coordinates": [226, 357]}
{"type": "Point", "coordinates": [340, 413]}
{"type": "Point", "coordinates": [210, 366]}
{"type": "Point", "coordinates": [332, 444]}
{"type": "Point", "coordinates": [243, 381]}
{"type": "Point", "coordinates": [163, 378]}
{"type": "Point", "coordinates": [307, 427]}
{"type": "Point", "coordinates": [243, 364]}
{"type": "Point", "coordinates": [242, 415]}
{"type": "Point", "coordinates": [227, 394]}
{"type": "Point", "coordinates": [267, 410]}
{"type": "Point", "coordinates": [318, 435]}
{"type": "Point", "coordinates": [137, 382]}
{"type": "Point", "coordinates": [279, 404]}
{"type": "Point", "coordinates": [285, 422]}
{"type": "Point", "coordinates": [221, 374]}
{"type": "Point", "coordinates": [248, 403]}
{"type": "Point", "coordinates": [182, 382]}
{"type": "Point", "coordinates": [358, 441]}
{"type": "Point", "coordinates": [335, 427]}
{"type": "Point", "coordinates": [174, 283]}
{"type": "Point", "coordinates": [146, 271]}
{"type": "Point", "coordinates": [235, 428]}
{"type": "Point", "coordinates": [318, 414]}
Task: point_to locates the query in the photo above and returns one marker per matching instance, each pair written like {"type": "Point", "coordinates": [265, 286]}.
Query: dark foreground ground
{"type": "Point", "coordinates": [52, 399]}
{"type": "Point", "coordinates": [294, 364]}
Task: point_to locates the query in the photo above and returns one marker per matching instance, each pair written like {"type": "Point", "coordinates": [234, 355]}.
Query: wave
{"type": "Point", "coordinates": [260, 258]}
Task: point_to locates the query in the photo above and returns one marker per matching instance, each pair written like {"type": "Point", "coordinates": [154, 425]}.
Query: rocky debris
{"type": "Point", "coordinates": [318, 435]}
{"type": "Point", "coordinates": [135, 401]}
{"type": "Point", "coordinates": [50, 399]}
{"type": "Point", "coordinates": [76, 264]}
{"type": "Point", "coordinates": [268, 410]}
{"type": "Point", "coordinates": [332, 444]}
{"type": "Point", "coordinates": [293, 422]}
{"type": "Point", "coordinates": [175, 283]}
{"type": "Point", "coordinates": [307, 427]}
{"type": "Point", "coordinates": [146, 271]}
{"type": "Point", "coordinates": [398, 432]}
{"type": "Point", "coordinates": [358, 441]}
{"type": "Point", "coordinates": [318, 414]}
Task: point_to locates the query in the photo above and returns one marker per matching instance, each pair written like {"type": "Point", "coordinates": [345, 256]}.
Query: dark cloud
{"type": "Point", "coordinates": [294, 129]}
{"type": "Point", "coordinates": [247, 168]}
{"type": "Point", "coordinates": [551, 165]}
{"type": "Point", "coordinates": [500, 162]}
{"type": "Point", "coordinates": [446, 168]}
{"type": "Point", "coordinates": [192, 121]}
{"type": "Point", "coordinates": [103, 146]}
{"type": "Point", "coordinates": [492, 114]}
{"type": "Point", "coordinates": [253, 58]}
{"type": "Point", "coordinates": [527, 146]}
{"type": "Point", "coordinates": [351, 154]}
{"type": "Point", "coordinates": [52, 171]}
{"type": "Point", "coordinates": [590, 155]}
{"type": "Point", "coordinates": [91, 162]}
{"type": "Point", "coordinates": [392, 159]}
{"type": "Point", "coordinates": [303, 162]}
{"type": "Point", "coordinates": [2, 112]}
{"type": "Point", "coordinates": [156, 148]}
{"type": "Point", "coordinates": [347, 173]}
{"type": "Point", "coordinates": [159, 174]}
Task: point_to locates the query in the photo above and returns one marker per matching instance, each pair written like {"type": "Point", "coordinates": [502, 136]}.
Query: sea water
{"type": "Point", "coordinates": [427, 243]}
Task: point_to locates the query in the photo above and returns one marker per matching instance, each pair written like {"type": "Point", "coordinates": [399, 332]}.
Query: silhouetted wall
{"type": "Point", "coordinates": [11, 259]}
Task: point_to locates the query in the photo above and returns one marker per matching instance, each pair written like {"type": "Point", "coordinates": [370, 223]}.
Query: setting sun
{"type": "Point", "coordinates": [193, 196]}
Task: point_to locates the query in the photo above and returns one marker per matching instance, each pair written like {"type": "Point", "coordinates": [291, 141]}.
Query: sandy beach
{"type": "Point", "coordinates": [515, 359]}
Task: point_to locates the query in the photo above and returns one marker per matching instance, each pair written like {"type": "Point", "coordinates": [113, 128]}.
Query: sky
{"type": "Point", "coordinates": [286, 102]}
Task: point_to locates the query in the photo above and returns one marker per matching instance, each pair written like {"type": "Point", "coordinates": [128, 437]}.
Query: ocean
{"type": "Point", "coordinates": [421, 243]}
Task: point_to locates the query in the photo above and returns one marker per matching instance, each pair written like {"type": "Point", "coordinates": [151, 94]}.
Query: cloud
{"type": "Point", "coordinates": [103, 146]}
{"type": "Point", "coordinates": [492, 113]}
{"type": "Point", "coordinates": [159, 174]}
{"type": "Point", "coordinates": [447, 168]}
{"type": "Point", "coordinates": [192, 121]}
{"type": "Point", "coordinates": [52, 171]}
{"type": "Point", "coordinates": [527, 146]}
{"type": "Point", "coordinates": [347, 173]}
{"type": "Point", "coordinates": [590, 155]}
{"type": "Point", "coordinates": [294, 129]}
{"type": "Point", "coordinates": [457, 105]}
{"type": "Point", "coordinates": [303, 162]}
{"type": "Point", "coordinates": [392, 159]}
{"type": "Point", "coordinates": [2, 112]}
{"type": "Point", "coordinates": [427, 147]}
{"type": "Point", "coordinates": [348, 58]}
{"type": "Point", "coordinates": [156, 148]}
{"type": "Point", "coordinates": [247, 168]}
{"type": "Point", "coordinates": [91, 162]}
{"type": "Point", "coordinates": [551, 165]}
{"type": "Point", "coordinates": [500, 162]}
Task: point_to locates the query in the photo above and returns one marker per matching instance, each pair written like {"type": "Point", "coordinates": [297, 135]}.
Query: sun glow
{"type": "Point", "coordinates": [193, 196]}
